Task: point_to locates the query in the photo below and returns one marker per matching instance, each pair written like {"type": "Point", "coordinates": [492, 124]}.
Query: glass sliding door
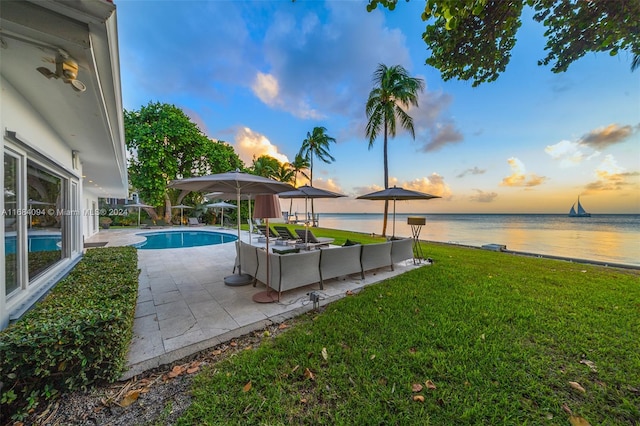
{"type": "Point", "coordinates": [46, 203]}
{"type": "Point", "coordinates": [11, 224]}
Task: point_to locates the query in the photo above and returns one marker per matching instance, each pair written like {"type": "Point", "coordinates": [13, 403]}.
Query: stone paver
{"type": "Point", "coordinates": [184, 306]}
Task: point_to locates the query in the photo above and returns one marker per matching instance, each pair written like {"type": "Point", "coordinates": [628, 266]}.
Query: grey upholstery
{"type": "Point", "coordinates": [401, 250]}
{"type": "Point", "coordinates": [339, 261]}
{"type": "Point", "coordinates": [374, 256]}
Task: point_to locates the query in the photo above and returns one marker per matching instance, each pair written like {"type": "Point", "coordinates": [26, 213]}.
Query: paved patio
{"type": "Point", "coordinates": [185, 307]}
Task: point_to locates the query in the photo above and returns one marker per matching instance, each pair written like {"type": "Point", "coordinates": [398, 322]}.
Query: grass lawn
{"type": "Point", "coordinates": [479, 337]}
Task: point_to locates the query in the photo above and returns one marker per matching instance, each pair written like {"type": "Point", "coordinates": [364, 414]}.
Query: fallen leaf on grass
{"type": "Point", "coordinates": [566, 409]}
{"type": "Point", "coordinates": [282, 326]}
{"type": "Point", "coordinates": [349, 293]}
{"type": "Point", "coordinates": [233, 344]}
{"type": "Point", "coordinates": [308, 374]}
{"type": "Point", "coordinates": [247, 387]}
{"type": "Point", "coordinates": [176, 371]}
{"type": "Point", "coordinates": [430, 385]}
{"type": "Point", "coordinates": [577, 386]}
{"type": "Point", "coordinates": [418, 398]}
{"type": "Point", "coordinates": [194, 367]}
{"type": "Point", "coordinates": [325, 356]}
{"type": "Point", "coordinates": [130, 398]}
{"type": "Point", "coordinates": [416, 387]}
{"type": "Point", "coordinates": [589, 364]}
{"type": "Point", "coordinates": [372, 357]}
{"type": "Point", "coordinates": [578, 421]}
{"type": "Point", "coordinates": [216, 352]}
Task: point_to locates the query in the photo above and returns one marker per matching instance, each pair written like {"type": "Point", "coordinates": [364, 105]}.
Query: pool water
{"type": "Point", "coordinates": [36, 243]}
{"type": "Point", "coordinates": [181, 239]}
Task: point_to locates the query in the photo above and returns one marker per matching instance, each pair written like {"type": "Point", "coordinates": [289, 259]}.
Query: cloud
{"type": "Point", "coordinates": [433, 184]}
{"type": "Point", "coordinates": [323, 56]}
{"type": "Point", "coordinates": [483, 197]}
{"type": "Point", "coordinates": [265, 87]}
{"type": "Point", "coordinates": [610, 177]}
{"type": "Point", "coordinates": [249, 144]}
{"type": "Point", "coordinates": [572, 153]}
{"type": "Point", "coordinates": [568, 153]}
{"type": "Point", "coordinates": [442, 135]}
{"type": "Point", "coordinates": [194, 58]}
{"type": "Point", "coordinates": [604, 137]}
{"type": "Point", "coordinates": [432, 133]}
{"type": "Point", "coordinates": [472, 171]}
{"type": "Point", "coordinates": [519, 177]}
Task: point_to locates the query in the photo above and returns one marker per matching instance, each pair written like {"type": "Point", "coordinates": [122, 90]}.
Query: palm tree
{"type": "Point", "coordinates": [394, 90]}
{"type": "Point", "coordinates": [265, 166]}
{"type": "Point", "coordinates": [284, 173]}
{"type": "Point", "coordinates": [299, 165]}
{"type": "Point", "coordinates": [316, 144]}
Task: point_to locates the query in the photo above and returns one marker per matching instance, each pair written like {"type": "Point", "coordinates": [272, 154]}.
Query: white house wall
{"type": "Point", "coordinates": [35, 135]}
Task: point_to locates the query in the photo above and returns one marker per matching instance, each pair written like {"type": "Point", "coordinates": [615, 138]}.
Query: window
{"type": "Point", "coordinates": [46, 204]}
{"type": "Point", "coordinates": [10, 215]}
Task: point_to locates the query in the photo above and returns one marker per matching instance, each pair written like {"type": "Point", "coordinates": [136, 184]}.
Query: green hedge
{"type": "Point", "coordinates": [77, 335]}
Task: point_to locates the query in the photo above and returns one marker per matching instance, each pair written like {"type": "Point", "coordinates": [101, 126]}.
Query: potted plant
{"type": "Point", "coordinates": [105, 222]}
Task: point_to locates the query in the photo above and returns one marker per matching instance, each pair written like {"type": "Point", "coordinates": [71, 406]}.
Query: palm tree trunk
{"type": "Point", "coordinates": [311, 180]}
{"type": "Point", "coordinates": [386, 180]}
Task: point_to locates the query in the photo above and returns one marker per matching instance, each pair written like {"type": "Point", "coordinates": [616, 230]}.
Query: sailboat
{"type": "Point", "coordinates": [579, 212]}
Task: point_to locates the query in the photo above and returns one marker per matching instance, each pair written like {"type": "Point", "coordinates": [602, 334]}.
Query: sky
{"type": "Point", "coordinates": [261, 75]}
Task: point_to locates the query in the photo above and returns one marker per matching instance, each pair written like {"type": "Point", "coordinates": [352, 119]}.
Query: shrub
{"type": "Point", "coordinates": [77, 335]}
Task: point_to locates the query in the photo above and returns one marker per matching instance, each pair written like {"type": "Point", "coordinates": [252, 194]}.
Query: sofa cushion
{"type": "Point", "coordinates": [286, 251]}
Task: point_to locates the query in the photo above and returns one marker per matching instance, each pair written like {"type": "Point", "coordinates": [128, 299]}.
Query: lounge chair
{"type": "Point", "coordinates": [263, 231]}
{"type": "Point", "coordinates": [311, 239]}
{"type": "Point", "coordinates": [193, 221]}
{"type": "Point", "coordinates": [285, 234]}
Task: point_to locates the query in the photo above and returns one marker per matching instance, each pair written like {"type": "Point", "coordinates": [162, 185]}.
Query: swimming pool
{"type": "Point", "coordinates": [181, 239]}
{"type": "Point", "coordinates": [36, 243]}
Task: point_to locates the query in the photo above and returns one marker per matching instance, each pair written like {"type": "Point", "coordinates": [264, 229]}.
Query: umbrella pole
{"type": "Point", "coordinates": [306, 224]}
{"type": "Point", "coordinates": [394, 219]}
{"type": "Point", "coordinates": [239, 278]}
{"type": "Point", "coordinates": [250, 218]}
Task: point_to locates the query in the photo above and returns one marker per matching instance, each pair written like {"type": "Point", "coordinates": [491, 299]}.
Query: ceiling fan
{"type": "Point", "coordinates": [66, 69]}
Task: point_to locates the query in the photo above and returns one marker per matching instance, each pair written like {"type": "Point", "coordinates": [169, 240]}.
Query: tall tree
{"type": "Point", "coordinates": [284, 173]}
{"type": "Point", "coordinates": [163, 145]}
{"type": "Point", "coordinates": [316, 145]}
{"type": "Point", "coordinates": [393, 90]}
{"type": "Point", "coordinates": [265, 166]}
{"type": "Point", "coordinates": [299, 165]}
{"type": "Point", "coordinates": [473, 39]}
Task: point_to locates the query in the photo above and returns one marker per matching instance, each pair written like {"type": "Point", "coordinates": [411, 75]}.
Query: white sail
{"type": "Point", "coordinates": [581, 212]}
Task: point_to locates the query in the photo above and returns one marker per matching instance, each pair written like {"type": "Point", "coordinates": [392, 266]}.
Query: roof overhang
{"type": "Point", "coordinates": [33, 34]}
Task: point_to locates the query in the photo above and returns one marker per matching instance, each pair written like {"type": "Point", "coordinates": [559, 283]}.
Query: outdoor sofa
{"type": "Point", "coordinates": [295, 268]}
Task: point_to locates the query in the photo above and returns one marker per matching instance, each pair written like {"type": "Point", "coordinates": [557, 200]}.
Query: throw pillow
{"type": "Point", "coordinates": [350, 243]}
{"type": "Point", "coordinates": [286, 251]}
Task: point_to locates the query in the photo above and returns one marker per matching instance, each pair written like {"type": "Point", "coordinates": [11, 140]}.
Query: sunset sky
{"type": "Point", "coordinates": [260, 75]}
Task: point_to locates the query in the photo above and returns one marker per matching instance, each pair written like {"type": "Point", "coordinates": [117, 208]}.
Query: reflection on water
{"type": "Point", "coordinates": [608, 238]}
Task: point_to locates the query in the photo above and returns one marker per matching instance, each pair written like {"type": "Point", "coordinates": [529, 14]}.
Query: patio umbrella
{"type": "Point", "coordinates": [308, 192]}
{"type": "Point", "coordinates": [222, 205]}
{"type": "Point", "coordinates": [181, 207]}
{"type": "Point", "coordinates": [238, 183]}
{"type": "Point", "coordinates": [242, 196]}
{"type": "Point", "coordinates": [139, 206]}
{"type": "Point", "coordinates": [394, 194]}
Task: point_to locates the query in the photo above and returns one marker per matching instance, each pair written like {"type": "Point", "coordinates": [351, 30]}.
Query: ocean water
{"type": "Point", "coordinates": [602, 238]}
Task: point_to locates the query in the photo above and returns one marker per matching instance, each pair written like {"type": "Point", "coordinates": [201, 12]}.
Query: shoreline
{"type": "Point", "coordinates": [545, 256]}
{"type": "Point", "coordinates": [502, 248]}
